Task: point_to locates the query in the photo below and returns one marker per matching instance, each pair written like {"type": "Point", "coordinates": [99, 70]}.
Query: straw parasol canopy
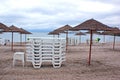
{"type": "Point", "coordinates": [3, 28]}
{"type": "Point", "coordinates": [14, 29]}
{"type": "Point", "coordinates": [80, 33]}
{"type": "Point", "coordinates": [108, 32]}
{"type": "Point", "coordinates": [23, 31]}
{"type": "Point", "coordinates": [64, 28]}
{"type": "Point", "coordinates": [115, 32]}
{"type": "Point", "coordinates": [91, 25]}
{"type": "Point", "coordinates": [54, 33]}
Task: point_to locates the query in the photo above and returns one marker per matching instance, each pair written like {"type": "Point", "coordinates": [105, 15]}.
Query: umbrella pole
{"type": "Point", "coordinates": [104, 38]}
{"type": "Point", "coordinates": [80, 40]}
{"type": "Point", "coordinates": [114, 43]}
{"type": "Point", "coordinates": [66, 41]}
{"type": "Point", "coordinates": [12, 43]}
{"type": "Point", "coordinates": [20, 39]}
{"type": "Point", "coordinates": [89, 59]}
{"type": "Point", "coordinates": [25, 38]}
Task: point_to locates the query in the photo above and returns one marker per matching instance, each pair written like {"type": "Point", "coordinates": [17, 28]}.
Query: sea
{"type": "Point", "coordinates": [82, 38]}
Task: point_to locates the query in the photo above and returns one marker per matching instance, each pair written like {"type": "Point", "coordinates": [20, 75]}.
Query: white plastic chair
{"type": "Point", "coordinates": [18, 56]}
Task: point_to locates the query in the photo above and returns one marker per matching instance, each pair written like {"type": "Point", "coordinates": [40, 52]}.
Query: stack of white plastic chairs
{"type": "Point", "coordinates": [41, 50]}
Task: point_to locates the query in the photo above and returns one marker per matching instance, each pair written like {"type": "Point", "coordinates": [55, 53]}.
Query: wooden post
{"type": "Point", "coordinates": [114, 43]}
{"type": "Point", "coordinates": [89, 59]}
{"type": "Point", "coordinates": [104, 38]}
{"type": "Point", "coordinates": [80, 40]}
{"type": "Point", "coordinates": [20, 39]}
{"type": "Point", "coordinates": [12, 43]}
{"type": "Point", "coordinates": [25, 38]}
{"type": "Point", "coordinates": [66, 41]}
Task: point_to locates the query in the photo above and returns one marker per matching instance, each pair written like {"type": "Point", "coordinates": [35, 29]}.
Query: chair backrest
{"type": "Point", "coordinates": [19, 55]}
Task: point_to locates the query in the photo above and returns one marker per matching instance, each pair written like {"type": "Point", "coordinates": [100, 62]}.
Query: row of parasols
{"type": "Point", "coordinates": [93, 26]}
{"type": "Point", "coordinates": [12, 29]}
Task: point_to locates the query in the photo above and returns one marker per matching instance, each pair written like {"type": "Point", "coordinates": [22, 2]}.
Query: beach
{"type": "Point", "coordinates": [105, 64]}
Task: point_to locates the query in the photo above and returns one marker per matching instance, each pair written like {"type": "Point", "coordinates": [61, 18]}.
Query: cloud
{"type": "Point", "coordinates": [112, 20]}
{"type": "Point", "coordinates": [50, 14]}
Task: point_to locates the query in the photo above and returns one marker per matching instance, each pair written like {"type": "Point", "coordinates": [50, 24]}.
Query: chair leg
{"type": "Point", "coordinates": [23, 62]}
{"type": "Point", "coordinates": [13, 62]}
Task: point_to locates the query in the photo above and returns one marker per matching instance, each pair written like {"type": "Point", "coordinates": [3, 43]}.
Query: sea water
{"type": "Point", "coordinates": [83, 38]}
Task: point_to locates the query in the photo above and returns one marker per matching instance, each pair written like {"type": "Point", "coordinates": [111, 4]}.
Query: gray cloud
{"type": "Point", "coordinates": [53, 14]}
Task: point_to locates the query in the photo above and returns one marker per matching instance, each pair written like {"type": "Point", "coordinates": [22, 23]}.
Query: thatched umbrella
{"type": "Point", "coordinates": [14, 29]}
{"type": "Point", "coordinates": [80, 33]}
{"type": "Point", "coordinates": [109, 32]}
{"type": "Point", "coordinates": [23, 31]}
{"type": "Point", "coordinates": [54, 33]}
{"type": "Point", "coordinates": [91, 25]}
{"type": "Point", "coordinates": [64, 29]}
{"type": "Point", "coordinates": [3, 28]}
{"type": "Point", "coordinates": [115, 32]}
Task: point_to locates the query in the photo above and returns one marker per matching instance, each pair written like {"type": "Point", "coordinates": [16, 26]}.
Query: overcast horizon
{"type": "Point", "coordinates": [51, 14]}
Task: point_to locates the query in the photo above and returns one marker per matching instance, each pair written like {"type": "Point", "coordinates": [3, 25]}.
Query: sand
{"type": "Point", "coordinates": [105, 65]}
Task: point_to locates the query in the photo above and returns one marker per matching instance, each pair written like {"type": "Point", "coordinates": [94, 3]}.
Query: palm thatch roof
{"type": "Point", "coordinates": [63, 29]}
{"type": "Point", "coordinates": [15, 29]}
{"type": "Point", "coordinates": [25, 31]}
{"type": "Point", "coordinates": [80, 33]}
{"type": "Point", "coordinates": [91, 24]}
{"type": "Point", "coordinates": [3, 27]}
{"type": "Point", "coordinates": [115, 31]}
{"type": "Point", "coordinates": [53, 32]}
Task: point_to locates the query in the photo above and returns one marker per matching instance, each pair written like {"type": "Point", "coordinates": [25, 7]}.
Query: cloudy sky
{"type": "Point", "coordinates": [52, 14]}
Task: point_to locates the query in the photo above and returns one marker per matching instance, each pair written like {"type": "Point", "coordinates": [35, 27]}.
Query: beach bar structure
{"type": "Point", "coordinates": [41, 50]}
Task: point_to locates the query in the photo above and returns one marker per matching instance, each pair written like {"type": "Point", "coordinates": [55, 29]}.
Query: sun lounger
{"type": "Point", "coordinates": [46, 50]}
